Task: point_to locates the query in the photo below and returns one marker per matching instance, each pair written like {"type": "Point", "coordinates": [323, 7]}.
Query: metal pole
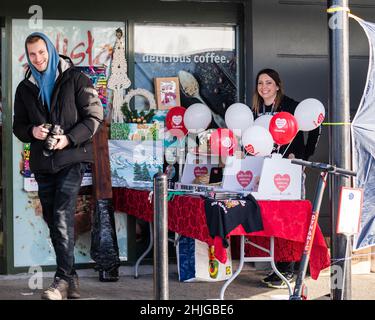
{"type": "Point", "coordinates": [339, 137]}
{"type": "Point", "coordinates": [161, 237]}
{"type": "Point", "coordinates": [298, 288]}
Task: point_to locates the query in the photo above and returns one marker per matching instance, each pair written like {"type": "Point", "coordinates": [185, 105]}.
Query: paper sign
{"type": "Point", "coordinates": [280, 180]}
{"type": "Point", "coordinates": [242, 174]}
{"type": "Point", "coordinates": [350, 209]}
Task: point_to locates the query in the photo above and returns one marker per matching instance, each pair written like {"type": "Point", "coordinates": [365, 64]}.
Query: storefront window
{"type": "Point", "coordinates": [202, 57]}
{"type": "Point", "coordinates": [183, 65]}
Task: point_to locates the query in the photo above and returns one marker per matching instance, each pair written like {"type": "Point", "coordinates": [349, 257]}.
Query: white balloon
{"type": "Point", "coordinates": [309, 114]}
{"type": "Point", "coordinates": [197, 117]}
{"type": "Point", "coordinates": [263, 121]}
{"type": "Point", "coordinates": [239, 117]}
{"type": "Point", "coordinates": [257, 141]}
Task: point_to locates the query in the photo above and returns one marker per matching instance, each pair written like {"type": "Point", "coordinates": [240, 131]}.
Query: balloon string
{"type": "Point", "coordinates": [286, 148]}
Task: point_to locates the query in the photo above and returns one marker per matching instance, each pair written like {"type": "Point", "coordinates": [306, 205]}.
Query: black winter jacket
{"type": "Point", "coordinates": [75, 106]}
{"type": "Point", "coordinates": [298, 146]}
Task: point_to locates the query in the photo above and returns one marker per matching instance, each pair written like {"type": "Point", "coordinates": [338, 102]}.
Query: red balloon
{"type": "Point", "coordinates": [283, 128]}
{"type": "Point", "coordinates": [223, 142]}
{"type": "Point", "coordinates": [174, 122]}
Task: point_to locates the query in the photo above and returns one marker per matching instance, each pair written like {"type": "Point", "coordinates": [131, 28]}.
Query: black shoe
{"type": "Point", "coordinates": [271, 277]}
{"type": "Point", "coordinates": [58, 290]}
{"type": "Point", "coordinates": [281, 284]}
{"type": "Point", "coordinates": [73, 290]}
{"type": "Point", "coordinates": [109, 276]}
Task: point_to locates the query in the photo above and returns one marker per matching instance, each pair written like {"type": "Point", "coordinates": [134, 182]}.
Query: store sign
{"type": "Point", "coordinates": [207, 57]}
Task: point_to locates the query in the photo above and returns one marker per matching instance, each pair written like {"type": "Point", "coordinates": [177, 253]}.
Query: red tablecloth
{"type": "Point", "coordinates": [287, 221]}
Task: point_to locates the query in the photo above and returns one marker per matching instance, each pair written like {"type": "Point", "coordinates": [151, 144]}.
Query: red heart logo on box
{"type": "Point", "coordinates": [281, 181]}
{"type": "Point", "coordinates": [244, 178]}
{"type": "Point", "coordinates": [200, 171]}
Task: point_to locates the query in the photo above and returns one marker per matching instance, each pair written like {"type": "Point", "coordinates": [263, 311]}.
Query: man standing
{"type": "Point", "coordinates": [54, 92]}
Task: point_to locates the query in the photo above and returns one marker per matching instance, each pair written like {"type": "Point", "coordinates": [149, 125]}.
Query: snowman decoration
{"type": "Point", "coordinates": [118, 80]}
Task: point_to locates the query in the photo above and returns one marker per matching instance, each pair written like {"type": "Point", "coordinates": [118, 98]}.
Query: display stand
{"type": "Point", "coordinates": [244, 259]}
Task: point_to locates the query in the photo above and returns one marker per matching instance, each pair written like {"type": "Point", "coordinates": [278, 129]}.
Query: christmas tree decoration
{"type": "Point", "coordinates": [118, 80]}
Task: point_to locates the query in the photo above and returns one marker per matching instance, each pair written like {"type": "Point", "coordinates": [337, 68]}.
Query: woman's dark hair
{"type": "Point", "coordinates": [257, 99]}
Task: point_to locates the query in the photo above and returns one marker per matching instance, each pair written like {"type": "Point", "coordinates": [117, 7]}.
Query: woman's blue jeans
{"type": "Point", "coordinates": [58, 195]}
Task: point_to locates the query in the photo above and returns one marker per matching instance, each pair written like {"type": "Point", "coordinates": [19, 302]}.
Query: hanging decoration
{"type": "Point", "coordinates": [132, 116]}
{"type": "Point", "coordinates": [144, 116]}
{"type": "Point", "coordinates": [141, 92]}
{"type": "Point", "coordinates": [118, 80]}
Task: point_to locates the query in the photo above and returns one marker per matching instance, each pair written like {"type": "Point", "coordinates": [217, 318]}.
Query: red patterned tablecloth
{"type": "Point", "coordinates": [287, 221]}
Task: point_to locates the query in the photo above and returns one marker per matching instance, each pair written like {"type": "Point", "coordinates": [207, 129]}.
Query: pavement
{"type": "Point", "coordinates": [247, 286]}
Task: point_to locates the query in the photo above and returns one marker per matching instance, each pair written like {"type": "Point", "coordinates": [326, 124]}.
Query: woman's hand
{"type": "Point", "coordinates": [40, 132]}
{"type": "Point", "coordinates": [291, 156]}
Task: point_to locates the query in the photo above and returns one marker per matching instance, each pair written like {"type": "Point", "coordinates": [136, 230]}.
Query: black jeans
{"type": "Point", "coordinates": [58, 196]}
{"type": "Point", "coordinates": [288, 267]}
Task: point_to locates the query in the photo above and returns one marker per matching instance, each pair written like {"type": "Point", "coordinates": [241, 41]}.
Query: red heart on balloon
{"type": "Point", "coordinates": [223, 142]}
{"type": "Point", "coordinates": [283, 128]}
{"type": "Point", "coordinates": [200, 171]}
{"type": "Point", "coordinates": [281, 181]}
{"type": "Point", "coordinates": [250, 149]}
{"type": "Point", "coordinates": [244, 178]}
{"type": "Point", "coordinates": [177, 120]}
{"type": "Point", "coordinates": [280, 123]}
{"type": "Point", "coordinates": [174, 122]}
{"type": "Point", "coordinates": [320, 120]}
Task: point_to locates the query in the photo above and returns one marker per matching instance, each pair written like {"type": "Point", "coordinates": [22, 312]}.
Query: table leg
{"type": "Point", "coordinates": [234, 276]}
{"type": "Point", "coordinates": [151, 243]}
{"type": "Point", "coordinates": [271, 259]}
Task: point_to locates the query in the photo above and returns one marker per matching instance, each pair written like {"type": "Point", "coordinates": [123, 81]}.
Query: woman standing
{"type": "Point", "coordinates": [269, 98]}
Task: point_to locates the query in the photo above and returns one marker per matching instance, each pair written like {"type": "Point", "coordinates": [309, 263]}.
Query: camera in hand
{"type": "Point", "coordinates": [50, 142]}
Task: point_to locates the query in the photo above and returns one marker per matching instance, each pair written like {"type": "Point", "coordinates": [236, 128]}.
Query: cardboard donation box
{"type": "Point", "coordinates": [272, 178]}
{"type": "Point", "coordinates": [279, 180]}
{"type": "Point", "coordinates": [266, 178]}
{"type": "Point", "coordinates": [197, 169]}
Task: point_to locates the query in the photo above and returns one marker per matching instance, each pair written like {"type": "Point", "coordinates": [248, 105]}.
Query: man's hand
{"type": "Point", "coordinates": [291, 156]}
{"type": "Point", "coordinates": [40, 132]}
{"type": "Point", "coordinates": [63, 141]}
